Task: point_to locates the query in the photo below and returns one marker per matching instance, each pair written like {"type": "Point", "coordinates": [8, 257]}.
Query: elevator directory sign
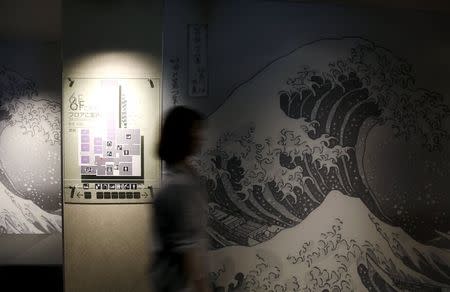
{"type": "Point", "coordinates": [110, 128]}
{"type": "Point", "coordinates": [114, 153]}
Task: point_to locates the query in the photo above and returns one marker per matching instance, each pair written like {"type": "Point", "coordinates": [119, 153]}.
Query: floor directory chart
{"type": "Point", "coordinates": [115, 153]}
{"type": "Point", "coordinates": [110, 131]}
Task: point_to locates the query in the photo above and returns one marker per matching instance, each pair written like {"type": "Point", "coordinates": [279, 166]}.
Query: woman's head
{"type": "Point", "coordinates": [180, 135]}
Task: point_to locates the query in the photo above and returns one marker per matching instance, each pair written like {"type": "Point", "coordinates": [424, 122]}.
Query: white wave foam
{"type": "Point", "coordinates": [22, 216]}
{"type": "Point", "coordinates": [324, 252]}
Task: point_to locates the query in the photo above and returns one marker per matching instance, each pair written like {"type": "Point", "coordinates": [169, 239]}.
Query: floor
{"type": "Point", "coordinates": [31, 278]}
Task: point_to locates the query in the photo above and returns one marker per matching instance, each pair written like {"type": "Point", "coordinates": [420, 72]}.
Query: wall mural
{"type": "Point", "coordinates": [30, 190]}
{"type": "Point", "coordinates": [294, 203]}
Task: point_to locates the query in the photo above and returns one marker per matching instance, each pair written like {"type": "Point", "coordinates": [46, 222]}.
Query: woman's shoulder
{"type": "Point", "coordinates": [175, 183]}
{"type": "Point", "coordinates": [178, 179]}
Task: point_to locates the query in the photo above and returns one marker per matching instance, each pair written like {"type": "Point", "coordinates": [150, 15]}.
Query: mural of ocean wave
{"type": "Point", "coordinates": [297, 132]}
{"type": "Point", "coordinates": [341, 246]}
{"type": "Point", "coordinates": [20, 216]}
{"type": "Point", "coordinates": [30, 196]}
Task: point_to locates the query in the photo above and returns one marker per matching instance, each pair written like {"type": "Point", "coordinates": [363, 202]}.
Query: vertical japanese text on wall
{"type": "Point", "coordinates": [197, 59]}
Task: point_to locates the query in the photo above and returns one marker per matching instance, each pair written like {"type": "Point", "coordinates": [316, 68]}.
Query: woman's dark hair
{"type": "Point", "coordinates": [176, 141]}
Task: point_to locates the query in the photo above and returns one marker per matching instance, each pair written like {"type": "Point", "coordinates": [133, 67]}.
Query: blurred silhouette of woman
{"type": "Point", "coordinates": [180, 209]}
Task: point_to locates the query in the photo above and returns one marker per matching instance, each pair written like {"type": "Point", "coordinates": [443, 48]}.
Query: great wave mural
{"type": "Point", "coordinates": [30, 191]}
{"type": "Point", "coordinates": [299, 177]}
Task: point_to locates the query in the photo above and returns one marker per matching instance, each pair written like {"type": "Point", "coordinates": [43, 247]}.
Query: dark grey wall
{"type": "Point", "coordinates": [246, 34]}
{"type": "Point", "coordinates": [119, 37]}
{"type": "Point", "coordinates": [30, 20]}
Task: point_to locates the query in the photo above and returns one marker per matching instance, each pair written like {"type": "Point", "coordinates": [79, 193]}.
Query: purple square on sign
{"type": "Point", "coordinates": [84, 159]}
{"type": "Point", "coordinates": [84, 147]}
{"type": "Point", "coordinates": [84, 139]}
{"type": "Point", "coordinates": [84, 132]}
{"type": "Point", "coordinates": [98, 149]}
{"type": "Point", "coordinates": [97, 141]}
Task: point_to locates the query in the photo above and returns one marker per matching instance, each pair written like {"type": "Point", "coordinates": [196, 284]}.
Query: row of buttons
{"type": "Point", "coordinates": [113, 195]}
{"type": "Point", "coordinates": [126, 186]}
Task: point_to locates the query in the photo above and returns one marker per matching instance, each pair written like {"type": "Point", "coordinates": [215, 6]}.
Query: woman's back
{"type": "Point", "coordinates": [179, 225]}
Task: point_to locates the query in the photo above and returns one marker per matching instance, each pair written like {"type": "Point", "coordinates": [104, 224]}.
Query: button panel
{"type": "Point", "coordinates": [101, 193]}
